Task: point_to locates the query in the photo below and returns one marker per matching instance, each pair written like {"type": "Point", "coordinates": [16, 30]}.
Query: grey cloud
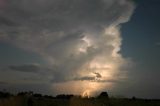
{"type": "Point", "coordinates": [25, 68]}
{"type": "Point", "coordinates": [109, 81]}
{"type": "Point", "coordinates": [86, 78]}
{"type": "Point", "coordinates": [60, 15]}
{"type": "Point", "coordinates": [3, 83]}
{"type": "Point", "coordinates": [6, 22]}
{"type": "Point", "coordinates": [157, 44]}
{"type": "Point", "coordinates": [68, 34]}
{"type": "Point", "coordinates": [95, 77]}
{"type": "Point", "coordinates": [98, 75]}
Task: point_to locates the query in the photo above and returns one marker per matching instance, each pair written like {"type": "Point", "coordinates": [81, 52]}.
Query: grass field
{"type": "Point", "coordinates": [75, 101]}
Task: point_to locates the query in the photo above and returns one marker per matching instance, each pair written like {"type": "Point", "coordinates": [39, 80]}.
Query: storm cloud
{"type": "Point", "coordinates": [25, 68]}
{"type": "Point", "coordinates": [76, 37]}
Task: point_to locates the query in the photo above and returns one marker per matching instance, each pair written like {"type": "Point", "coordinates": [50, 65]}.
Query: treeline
{"type": "Point", "coordinates": [4, 94]}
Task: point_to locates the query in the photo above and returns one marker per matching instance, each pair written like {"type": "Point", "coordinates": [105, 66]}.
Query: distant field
{"type": "Point", "coordinates": [75, 101]}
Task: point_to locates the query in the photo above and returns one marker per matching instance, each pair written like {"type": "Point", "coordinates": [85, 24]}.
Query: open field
{"type": "Point", "coordinates": [75, 101]}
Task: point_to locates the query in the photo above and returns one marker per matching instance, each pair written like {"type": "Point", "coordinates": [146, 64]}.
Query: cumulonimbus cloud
{"type": "Point", "coordinates": [76, 37]}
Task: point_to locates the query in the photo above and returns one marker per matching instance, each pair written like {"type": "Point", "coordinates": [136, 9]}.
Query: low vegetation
{"type": "Point", "coordinates": [31, 99]}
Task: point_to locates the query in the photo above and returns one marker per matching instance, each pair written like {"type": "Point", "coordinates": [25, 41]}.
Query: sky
{"type": "Point", "coordinates": [80, 46]}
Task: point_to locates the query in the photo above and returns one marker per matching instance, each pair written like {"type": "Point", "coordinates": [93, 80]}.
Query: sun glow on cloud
{"type": "Point", "coordinates": [102, 69]}
{"type": "Point", "coordinates": [79, 87]}
{"type": "Point", "coordinates": [107, 67]}
{"type": "Point", "coordinates": [83, 48]}
{"type": "Point", "coordinates": [80, 40]}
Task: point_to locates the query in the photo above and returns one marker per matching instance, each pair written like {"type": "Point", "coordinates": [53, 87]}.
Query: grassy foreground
{"type": "Point", "coordinates": [74, 101]}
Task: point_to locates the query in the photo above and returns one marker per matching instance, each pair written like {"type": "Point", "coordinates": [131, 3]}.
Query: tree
{"type": "Point", "coordinates": [37, 95]}
{"type": "Point", "coordinates": [4, 94]}
{"type": "Point", "coordinates": [103, 95]}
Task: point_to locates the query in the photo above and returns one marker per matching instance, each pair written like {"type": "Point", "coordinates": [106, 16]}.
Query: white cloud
{"type": "Point", "coordinates": [76, 37]}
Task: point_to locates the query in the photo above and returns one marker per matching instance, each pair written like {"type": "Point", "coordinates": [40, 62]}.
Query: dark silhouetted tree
{"type": "Point", "coordinates": [133, 98]}
{"type": "Point", "coordinates": [37, 95]}
{"type": "Point", "coordinates": [30, 93]}
{"type": "Point", "coordinates": [63, 96]}
{"type": "Point", "coordinates": [4, 94]}
{"type": "Point", "coordinates": [48, 97]}
{"type": "Point", "coordinates": [103, 95]}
